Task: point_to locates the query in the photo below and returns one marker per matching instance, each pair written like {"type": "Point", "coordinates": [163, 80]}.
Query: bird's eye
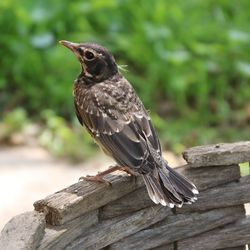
{"type": "Point", "coordinates": [89, 55]}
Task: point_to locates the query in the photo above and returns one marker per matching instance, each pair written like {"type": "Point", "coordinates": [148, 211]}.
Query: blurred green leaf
{"type": "Point", "coordinates": [188, 61]}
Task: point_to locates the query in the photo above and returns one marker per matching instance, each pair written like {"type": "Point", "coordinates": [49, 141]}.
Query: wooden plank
{"type": "Point", "coordinates": [235, 248]}
{"type": "Point", "coordinates": [203, 177]}
{"type": "Point", "coordinates": [84, 196]}
{"type": "Point", "coordinates": [163, 247]}
{"type": "Point", "coordinates": [219, 154]}
{"type": "Point", "coordinates": [177, 227]}
{"type": "Point", "coordinates": [23, 231]}
{"type": "Point", "coordinates": [129, 203]}
{"type": "Point", "coordinates": [110, 231]}
{"type": "Point", "coordinates": [208, 177]}
{"type": "Point", "coordinates": [58, 237]}
{"type": "Point", "coordinates": [230, 194]}
{"type": "Point", "coordinates": [233, 235]}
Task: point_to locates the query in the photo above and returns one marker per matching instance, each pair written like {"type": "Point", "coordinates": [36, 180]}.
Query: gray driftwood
{"type": "Point", "coordinates": [84, 196]}
{"type": "Point", "coordinates": [233, 235]}
{"type": "Point", "coordinates": [115, 229]}
{"type": "Point", "coordinates": [58, 237]}
{"type": "Point", "coordinates": [219, 154]}
{"type": "Point", "coordinates": [95, 216]}
{"type": "Point", "coordinates": [230, 194]}
{"type": "Point", "coordinates": [165, 247]}
{"type": "Point", "coordinates": [209, 177]}
{"type": "Point", "coordinates": [235, 248]}
{"type": "Point", "coordinates": [178, 227]}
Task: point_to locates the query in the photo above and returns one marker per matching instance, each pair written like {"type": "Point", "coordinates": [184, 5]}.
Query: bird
{"type": "Point", "coordinates": [107, 105]}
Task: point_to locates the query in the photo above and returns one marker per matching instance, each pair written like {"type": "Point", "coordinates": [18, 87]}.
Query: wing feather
{"type": "Point", "coordinates": [124, 131]}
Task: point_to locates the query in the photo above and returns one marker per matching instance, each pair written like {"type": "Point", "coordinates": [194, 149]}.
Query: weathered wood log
{"type": "Point", "coordinates": [165, 247]}
{"type": "Point", "coordinates": [230, 194]}
{"type": "Point", "coordinates": [23, 231]}
{"type": "Point", "coordinates": [233, 235]}
{"type": "Point", "coordinates": [91, 215]}
{"type": "Point", "coordinates": [208, 177]}
{"type": "Point", "coordinates": [84, 196]}
{"type": "Point", "coordinates": [110, 231]}
{"type": "Point", "coordinates": [129, 203]}
{"type": "Point", "coordinates": [58, 237]}
{"type": "Point", "coordinates": [203, 177]}
{"type": "Point", "coordinates": [235, 248]}
{"type": "Point", "coordinates": [139, 198]}
{"type": "Point", "coordinates": [220, 154]}
{"type": "Point", "coordinates": [177, 227]}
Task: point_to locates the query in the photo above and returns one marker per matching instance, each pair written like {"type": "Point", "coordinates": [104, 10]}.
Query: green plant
{"type": "Point", "coordinates": [64, 141]}
{"type": "Point", "coordinates": [245, 169]}
{"type": "Point", "coordinates": [13, 122]}
{"type": "Point", "coordinates": [188, 60]}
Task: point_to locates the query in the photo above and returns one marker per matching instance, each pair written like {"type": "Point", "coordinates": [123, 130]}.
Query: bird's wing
{"type": "Point", "coordinates": [130, 139]}
{"type": "Point", "coordinates": [135, 146]}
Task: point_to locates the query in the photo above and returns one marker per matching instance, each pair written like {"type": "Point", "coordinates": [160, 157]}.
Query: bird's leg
{"type": "Point", "coordinates": [95, 178]}
{"type": "Point", "coordinates": [127, 170]}
{"type": "Point", "coordinates": [99, 177]}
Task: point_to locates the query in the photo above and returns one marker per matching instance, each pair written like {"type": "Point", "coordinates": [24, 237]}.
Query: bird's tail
{"type": "Point", "coordinates": [169, 188]}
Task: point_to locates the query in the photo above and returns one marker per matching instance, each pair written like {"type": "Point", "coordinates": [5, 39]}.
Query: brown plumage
{"type": "Point", "coordinates": [107, 105]}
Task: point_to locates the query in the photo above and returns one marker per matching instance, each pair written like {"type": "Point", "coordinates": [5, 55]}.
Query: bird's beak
{"type": "Point", "coordinates": [69, 45]}
{"type": "Point", "coordinates": [73, 47]}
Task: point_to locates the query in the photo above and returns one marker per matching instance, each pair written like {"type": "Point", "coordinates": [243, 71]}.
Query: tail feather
{"type": "Point", "coordinates": [159, 196]}
{"type": "Point", "coordinates": [169, 188]}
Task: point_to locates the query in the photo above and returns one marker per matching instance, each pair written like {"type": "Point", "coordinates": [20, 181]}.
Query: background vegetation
{"type": "Point", "coordinates": [188, 60]}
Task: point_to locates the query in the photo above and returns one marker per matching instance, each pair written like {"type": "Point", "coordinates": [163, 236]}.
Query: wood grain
{"type": "Point", "coordinates": [177, 227]}
{"type": "Point", "coordinates": [84, 196]}
{"type": "Point", "coordinates": [164, 247]}
{"type": "Point", "coordinates": [235, 248]}
{"type": "Point", "coordinates": [203, 177]}
{"type": "Point", "coordinates": [90, 215]}
{"type": "Point", "coordinates": [208, 177]}
{"type": "Point", "coordinates": [233, 235]}
{"type": "Point", "coordinates": [219, 154]}
{"type": "Point", "coordinates": [230, 194]}
{"type": "Point", "coordinates": [110, 231]}
{"type": "Point", "coordinates": [58, 237]}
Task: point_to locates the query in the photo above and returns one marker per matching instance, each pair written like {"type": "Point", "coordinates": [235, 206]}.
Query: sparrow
{"type": "Point", "coordinates": [108, 107]}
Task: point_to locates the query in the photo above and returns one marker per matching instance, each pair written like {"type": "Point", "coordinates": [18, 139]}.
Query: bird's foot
{"type": "Point", "coordinates": [100, 175]}
{"type": "Point", "coordinates": [127, 170]}
{"type": "Point", "coordinates": [95, 178]}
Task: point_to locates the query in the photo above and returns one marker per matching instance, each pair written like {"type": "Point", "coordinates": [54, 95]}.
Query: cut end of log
{"type": "Point", "coordinates": [218, 155]}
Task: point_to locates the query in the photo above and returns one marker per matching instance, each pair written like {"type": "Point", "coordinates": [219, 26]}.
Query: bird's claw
{"type": "Point", "coordinates": [128, 171]}
{"type": "Point", "coordinates": [95, 178]}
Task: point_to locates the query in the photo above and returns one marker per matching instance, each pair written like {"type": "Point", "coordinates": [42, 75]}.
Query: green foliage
{"type": "Point", "coordinates": [55, 134]}
{"type": "Point", "coordinates": [189, 60]}
{"type": "Point", "coordinates": [63, 140]}
{"type": "Point", "coordinates": [245, 169]}
{"type": "Point", "coordinates": [13, 122]}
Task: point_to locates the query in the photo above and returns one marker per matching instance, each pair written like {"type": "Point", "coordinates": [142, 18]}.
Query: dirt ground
{"type": "Point", "coordinates": [29, 173]}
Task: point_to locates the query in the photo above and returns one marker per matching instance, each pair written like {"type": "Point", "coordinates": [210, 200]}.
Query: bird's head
{"type": "Point", "coordinates": [97, 63]}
